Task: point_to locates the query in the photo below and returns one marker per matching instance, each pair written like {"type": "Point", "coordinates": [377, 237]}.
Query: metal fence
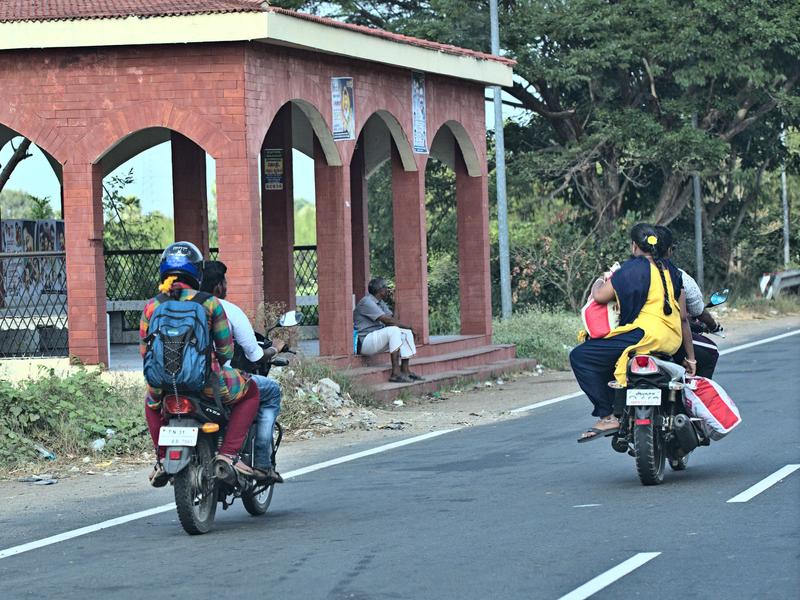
{"type": "Point", "coordinates": [33, 295]}
{"type": "Point", "coordinates": [33, 304]}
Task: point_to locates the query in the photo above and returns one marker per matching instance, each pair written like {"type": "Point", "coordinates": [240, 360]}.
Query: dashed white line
{"type": "Point", "coordinates": [765, 483]}
{"type": "Point", "coordinates": [605, 579]}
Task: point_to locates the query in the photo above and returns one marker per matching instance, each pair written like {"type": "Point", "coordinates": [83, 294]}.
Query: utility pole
{"type": "Point", "coordinates": [698, 222]}
{"type": "Point", "coordinates": [500, 161]}
{"type": "Point", "coordinates": [785, 201]}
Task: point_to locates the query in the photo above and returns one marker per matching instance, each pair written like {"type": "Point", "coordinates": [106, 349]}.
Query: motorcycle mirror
{"type": "Point", "coordinates": [718, 298]}
{"type": "Point", "coordinates": [290, 319]}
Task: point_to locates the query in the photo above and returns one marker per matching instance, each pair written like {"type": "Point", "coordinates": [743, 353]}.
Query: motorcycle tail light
{"type": "Point", "coordinates": [643, 365]}
{"type": "Point", "coordinates": [175, 454]}
{"type": "Point", "coordinates": [178, 405]}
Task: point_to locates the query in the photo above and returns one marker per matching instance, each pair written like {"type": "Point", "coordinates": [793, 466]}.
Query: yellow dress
{"type": "Point", "coordinates": [662, 333]}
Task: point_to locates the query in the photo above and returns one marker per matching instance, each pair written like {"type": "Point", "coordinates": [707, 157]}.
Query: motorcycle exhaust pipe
{"type": "Point", "coordinates": [684, 433]}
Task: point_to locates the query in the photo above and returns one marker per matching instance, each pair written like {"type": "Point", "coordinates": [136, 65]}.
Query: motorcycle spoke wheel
{"type": "Point", "coordinates": [196, 491]}
{"type": "Point", "coordinates": [257, 504]}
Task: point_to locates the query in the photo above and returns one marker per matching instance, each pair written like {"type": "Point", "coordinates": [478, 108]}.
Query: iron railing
{"type": "Point", "coordinates": [33, 304]}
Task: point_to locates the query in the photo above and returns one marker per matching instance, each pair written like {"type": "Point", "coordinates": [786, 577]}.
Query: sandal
{"type": "Point", "coordinates": [234, 462]}
{"type": "Point", "coordinates": [268, 474]}
{"type": "Point", "coordinates": [399, 379]}
{"type": "Point", "coordinates": [158, 476]}
{"type": "Point", "coordinates": [413, 376]}
{"type": "Point", "coordinates": [599, 432]}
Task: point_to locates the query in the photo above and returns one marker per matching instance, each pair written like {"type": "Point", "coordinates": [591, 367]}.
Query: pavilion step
{"type": "Point", "coordinates": [387, 392]}
{"type": "Point", "coordinates": [431, 365]}
{"type": "Point", "coordinates": [436, 347]}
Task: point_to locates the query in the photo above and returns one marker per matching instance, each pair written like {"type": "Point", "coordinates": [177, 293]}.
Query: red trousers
{"type": "Point", "coordinates": [242, 415]}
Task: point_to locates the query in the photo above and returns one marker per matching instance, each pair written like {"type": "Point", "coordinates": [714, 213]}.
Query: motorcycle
{"type": "Point", "coordinates": [654, 426]}
{"type": "Point", "coordinates": [192, 438]}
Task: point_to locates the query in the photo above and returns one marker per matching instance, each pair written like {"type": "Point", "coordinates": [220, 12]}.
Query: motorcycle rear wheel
{"type": "Point", "coordinates": [257, 504]}
{"type": "Point", "coordinates": [196, 490]}
{"type": "Point", "coordinates": [650, 454]}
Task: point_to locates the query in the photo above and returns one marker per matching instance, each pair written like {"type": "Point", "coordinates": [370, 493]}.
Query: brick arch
{"type": "Point", "coordinates": [468, 148]}
{"type": "Point", "coordinates": [109, 133]}
{"type": "Point", "coordinates": [29, 125]}
{"type": "Point", "coordinates": [319, 125]}
{"type": "Point", "coordinates": [398, 134]}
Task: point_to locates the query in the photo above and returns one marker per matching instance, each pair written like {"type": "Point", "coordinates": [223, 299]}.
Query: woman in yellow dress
{"type": "Point", "coordinates": [653, 318]}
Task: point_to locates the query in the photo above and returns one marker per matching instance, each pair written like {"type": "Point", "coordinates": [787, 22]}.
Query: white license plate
{"type": "Point", "coordinates": [177, 436]}
{"type": "Point", "coordinates": [643, 398]}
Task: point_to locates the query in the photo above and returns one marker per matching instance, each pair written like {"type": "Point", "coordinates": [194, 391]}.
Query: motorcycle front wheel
{"type": "Point", "coordinates": [650, 453]}
{"type": "Point", "coordinates": [196, 490]}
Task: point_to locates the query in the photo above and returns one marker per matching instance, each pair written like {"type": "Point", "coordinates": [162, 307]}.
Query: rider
{"type": "Point", "coordinates": [180, 274]}
{"type": "Point", "coordinates": [214, 282]}
{"type": "Point", "coordinates": [652, 319]}
{"type": "Point", "coordinates": [705, 350]}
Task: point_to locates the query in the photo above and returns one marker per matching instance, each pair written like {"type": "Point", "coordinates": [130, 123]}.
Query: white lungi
{"type": "Point", "coordinates": [389, 339]}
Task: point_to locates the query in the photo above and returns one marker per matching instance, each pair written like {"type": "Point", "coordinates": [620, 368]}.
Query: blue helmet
{"type": "Point", "coordinates": [184, 260]}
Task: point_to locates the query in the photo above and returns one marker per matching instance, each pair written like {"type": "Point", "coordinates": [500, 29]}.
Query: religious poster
{"type": "Point", "coordinates": [344, 108]}
{"type": "Point", "coordinates": [419, 113]}
{"type": "Point", "coordinates": [272, 168]}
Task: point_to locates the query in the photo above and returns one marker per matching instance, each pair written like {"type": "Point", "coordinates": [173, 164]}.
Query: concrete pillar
{"type": "Point", "coordinates": [189, 196]}
{"type": "Point", "coordinates": [359, 222]}
{"type": "Point", "coordinates": [410, 247]}
{"type": "Point", "coordinates": [334, 258]}
{"type": "Point", "coordinates": [86, 286]}
{"type": "Point", "coordinates": [239, 228]}
{"type": "Point", "coordinates": [277, 215]}
{"type": "Point", "coordinates": [472, 203]}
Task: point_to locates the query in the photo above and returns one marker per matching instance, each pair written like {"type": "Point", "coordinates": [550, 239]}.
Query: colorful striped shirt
{"type": "Point", "coordinates": [232, 381]}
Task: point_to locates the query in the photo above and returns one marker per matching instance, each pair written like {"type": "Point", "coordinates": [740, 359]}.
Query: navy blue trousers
{"type": "Point", "coordinates": [593, 363]}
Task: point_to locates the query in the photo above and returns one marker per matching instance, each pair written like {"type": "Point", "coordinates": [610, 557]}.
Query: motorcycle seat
{"type": "Point", "coordinates": [675, 371]}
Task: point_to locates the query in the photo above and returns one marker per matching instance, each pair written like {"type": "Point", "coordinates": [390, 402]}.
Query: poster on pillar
{"type": "Point", "coordinates": [344, 108]}
{"type": "Point", "coordinates": [419, 116]}
{"type": "Point", "coordinates": [272, 168]}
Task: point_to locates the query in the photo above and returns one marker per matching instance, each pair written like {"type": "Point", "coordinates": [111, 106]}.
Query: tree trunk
{"type": "Point", "coordinates": [20, 154]}
{"type": "Point", "coordinates": [674, 196]}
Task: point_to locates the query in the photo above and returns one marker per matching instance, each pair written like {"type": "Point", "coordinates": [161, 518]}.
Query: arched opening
{"type": "Point", "coordinates": [158, 186]}
{"type": "Point", "coordinates": [33, 300]}
{"type": "Point", "coordinates": [458, 262]}
{"type": "Point", "coordinates": [296, 143]}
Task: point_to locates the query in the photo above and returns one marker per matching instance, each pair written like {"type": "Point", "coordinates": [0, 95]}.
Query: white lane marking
{"type": "Point", "coordinates": [586, 505]}
{"type": "Point", "coordinates": [166, 507]}
{"type": "Point", "coordinates": [605, 579]}
{"type": "Point", "coordinates": [765, 483]}
{"type": "Point", "coordinates": [546, 402]}
{"type": "Point", "coordinates": [759, 342]}
{"type": "Point", "coordinates": [68, 535]}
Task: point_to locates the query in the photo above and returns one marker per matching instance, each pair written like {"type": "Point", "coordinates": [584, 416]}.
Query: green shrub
{"type": "Point", "coordinates": [65, 414]}
{"type": "Point", "coordinates": [547, 336]}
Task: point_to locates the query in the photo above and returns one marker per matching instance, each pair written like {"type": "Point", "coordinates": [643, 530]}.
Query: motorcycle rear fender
{"type": "Point", "coordinates": [173, 466]}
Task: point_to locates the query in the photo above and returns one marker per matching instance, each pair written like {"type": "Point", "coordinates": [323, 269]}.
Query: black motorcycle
{"type": "Point", "coordinates": [654, 426]}
{"type": "Point", "coordinates": [193, 437]}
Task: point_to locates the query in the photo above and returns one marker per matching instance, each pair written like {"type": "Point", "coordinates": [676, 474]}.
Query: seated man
{"type": "Point", "coordinates": [379, 331]}
{"type": "Point", "coordinates": [214, 282]}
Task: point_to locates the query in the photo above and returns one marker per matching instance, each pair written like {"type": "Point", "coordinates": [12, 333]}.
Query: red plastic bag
{"type": "Point", "coordinates": [599, 319]}
{"type": "Point", "coordinates": [709, 402]}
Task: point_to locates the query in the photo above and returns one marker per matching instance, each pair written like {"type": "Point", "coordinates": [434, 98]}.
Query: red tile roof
{"type": "Point", "coordinates": [397, 37]}
{"type": "Point", "coordinates": [57, 10]}
{"type": "Point", "coordinates": [68, 10]}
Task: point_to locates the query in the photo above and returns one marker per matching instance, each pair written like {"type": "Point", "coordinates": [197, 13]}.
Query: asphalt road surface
{"type": "Point", "coordinates": [515, 509]}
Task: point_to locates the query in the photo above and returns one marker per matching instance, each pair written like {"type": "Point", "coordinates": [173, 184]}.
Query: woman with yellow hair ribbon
{"type": "Point", "coordinates": [653, 318]}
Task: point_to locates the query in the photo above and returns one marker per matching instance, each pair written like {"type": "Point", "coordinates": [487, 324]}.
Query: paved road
{"type": "Point", "coordinates": [511, 510]}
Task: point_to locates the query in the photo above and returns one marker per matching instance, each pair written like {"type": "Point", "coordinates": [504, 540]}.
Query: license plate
{"type": "Point", "coordinates": [177, 436]}
{"type": "Point", "coordinates": [643, 398]}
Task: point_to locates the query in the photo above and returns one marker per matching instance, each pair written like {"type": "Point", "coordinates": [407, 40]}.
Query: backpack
{"type": "Point", "coordinates": [599, 319]}
{"type": "Point", "coordinates": [179, 345]}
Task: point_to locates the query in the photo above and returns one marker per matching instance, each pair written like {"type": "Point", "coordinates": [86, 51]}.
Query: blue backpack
{"type": "Point", "coordinates": [179, 345]}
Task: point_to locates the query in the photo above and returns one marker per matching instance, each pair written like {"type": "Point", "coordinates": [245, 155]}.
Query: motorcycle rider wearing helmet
{"type": "Point", "coordinates": [214, 282]}
{"type": "Point", "coordinates": [181, 274]}
{"type": "Point", "coordinates": [652, 309]}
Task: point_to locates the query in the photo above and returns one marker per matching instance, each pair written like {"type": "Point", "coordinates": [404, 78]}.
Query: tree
{"type": "Point", "coordinates": [611, 87]}
{"type": "Point", "coordinates": [15, 204]}
{"type": "Point", "coordinates": [20, 153]}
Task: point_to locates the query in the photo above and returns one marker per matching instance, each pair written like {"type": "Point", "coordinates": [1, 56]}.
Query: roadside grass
{"type": "Point", "coordinates": [548, 336]}
{"type": "Point", "coordinates": [786, 304]}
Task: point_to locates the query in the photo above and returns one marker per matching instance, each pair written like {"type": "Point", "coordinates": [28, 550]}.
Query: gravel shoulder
{"type": "Point", "coordinates": [465, 406]}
